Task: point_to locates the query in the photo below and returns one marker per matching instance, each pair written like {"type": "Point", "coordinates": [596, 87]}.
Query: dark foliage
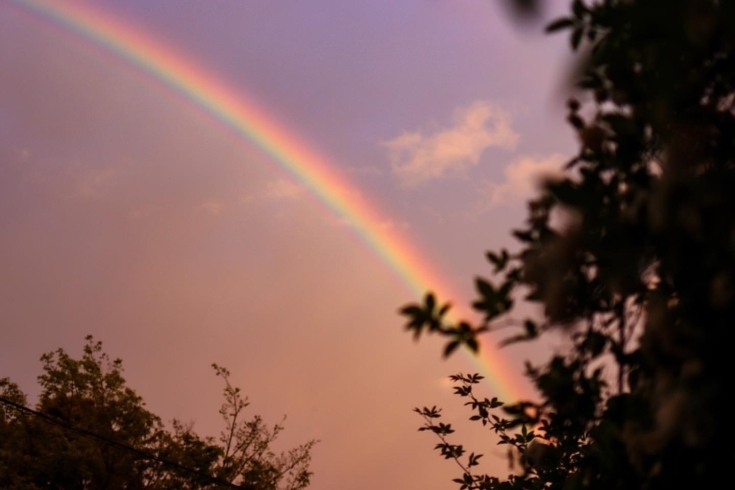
{"type": "Point", "coordinates": [640, 274]}
{"type": "Point", "coordinates": [89, 430]}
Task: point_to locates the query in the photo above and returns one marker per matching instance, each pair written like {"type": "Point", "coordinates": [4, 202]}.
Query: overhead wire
{"type": "Point", "coordinates": [143, 454]}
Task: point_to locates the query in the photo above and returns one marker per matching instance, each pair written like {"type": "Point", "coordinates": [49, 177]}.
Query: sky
{"type": "Point", "coordinates": [130, 213]}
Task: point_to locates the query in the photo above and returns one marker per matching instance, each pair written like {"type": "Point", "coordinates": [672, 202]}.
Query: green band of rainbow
{"type": "Point", "coordinates": [242, 115]}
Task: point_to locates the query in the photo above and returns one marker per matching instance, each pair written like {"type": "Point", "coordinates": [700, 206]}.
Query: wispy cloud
{"type": "Point", "coordinates": [279, 190]}
{"type": "Point", "coordinates": [282, 189]}
{"type": "Point", "coordinates": [96, 183]}
{"type": "Point", "coordinates": [417, 157]}
{"type": "Point", "coordinates": [213, 207]}
{"type": "Point", "coordinates": [522, 178]}
{"type": "Point", "coordinates": [364, 170]}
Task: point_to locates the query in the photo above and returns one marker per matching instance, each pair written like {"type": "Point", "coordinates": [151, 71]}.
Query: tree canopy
{"type": "Point", "coordinates": [89, 430]}
{"type": "Point", "coordinates": [631, 254]}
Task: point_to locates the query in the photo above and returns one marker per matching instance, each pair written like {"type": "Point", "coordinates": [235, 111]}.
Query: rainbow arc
{"type": "Point", "coordinates": [237, 112]}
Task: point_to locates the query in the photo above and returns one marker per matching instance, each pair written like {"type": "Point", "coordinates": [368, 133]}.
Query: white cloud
{"type": "Point", "coordinates": [522, 178]}
{"type": "Point", "coordinates": [418, 157]}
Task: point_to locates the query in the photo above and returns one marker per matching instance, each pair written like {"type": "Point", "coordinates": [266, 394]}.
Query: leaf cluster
{"type": "Point", "coordinates": [631, 255]}
{"type": "Point", "coordinates": [90, 395]}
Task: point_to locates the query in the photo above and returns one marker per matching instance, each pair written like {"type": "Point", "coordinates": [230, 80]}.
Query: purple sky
{"type": "Point", "coordinates": [130, 216]}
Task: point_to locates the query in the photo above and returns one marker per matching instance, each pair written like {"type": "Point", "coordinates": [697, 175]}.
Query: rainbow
{"type": "Point", "coordinates": [251, 123]}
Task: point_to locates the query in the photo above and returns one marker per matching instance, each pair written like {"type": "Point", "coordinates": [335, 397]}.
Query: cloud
{"type": "Point", "coordinates": [417, 157]}
{"type": "Point", "coordinates": [522, 178]}
{"type": "Point", "coordinates": [282, 189]}
{"type": "Point", "coordinates": [213, 207]}
{"type": "Point", "coordinates": [96, 183]}
{"type": "Point", "coordinates": [364, 170]}
{"type": "Point", "coordinates": [275, 190]}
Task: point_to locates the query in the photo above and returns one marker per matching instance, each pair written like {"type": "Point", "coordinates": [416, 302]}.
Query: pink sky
{"type": "Point", "coordinates": [128, 215]}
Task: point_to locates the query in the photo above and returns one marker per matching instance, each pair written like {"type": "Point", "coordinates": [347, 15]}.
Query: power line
{"type": "Point", "coordinates": [139, 452]}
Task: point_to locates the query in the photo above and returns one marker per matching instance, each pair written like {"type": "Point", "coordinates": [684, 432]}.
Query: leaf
{"type": "Point", "coordinates": [512, 340]}
{"type": "Point", "coordinates": [444, 309]}
{"type": "Point", "coordinates": [523, 236]}
{"type": "Point", "coordinates": [576, 37]}
{"type": "Point", "coordinates": [473, 345]}
{"type": "Point", "coordinates": [450, 347]}
{"type": "Point", "coordinates": [579, 8]}
{"type": "Point", "coordinates": [492, 302]}
{"type": "Point", "coordinates": [430, 302]}
{"type": "Point", "coordinates": [559, 24]}
{"type": "Point", "coordinates": [499, 261]}
{"type": "Point", "coordinates": [411, 310]}
{"type": "Point", "coordinates": [484, 287]}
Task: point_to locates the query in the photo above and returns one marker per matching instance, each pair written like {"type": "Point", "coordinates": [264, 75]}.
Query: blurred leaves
{"type": "Point", "coordinates": [640, 275]}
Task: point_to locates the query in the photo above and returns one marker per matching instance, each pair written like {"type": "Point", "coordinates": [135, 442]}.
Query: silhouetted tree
{"type": "Point", "coordinates": [89, 430]}
{"type": "Point", "coordinates": [638, 270]}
